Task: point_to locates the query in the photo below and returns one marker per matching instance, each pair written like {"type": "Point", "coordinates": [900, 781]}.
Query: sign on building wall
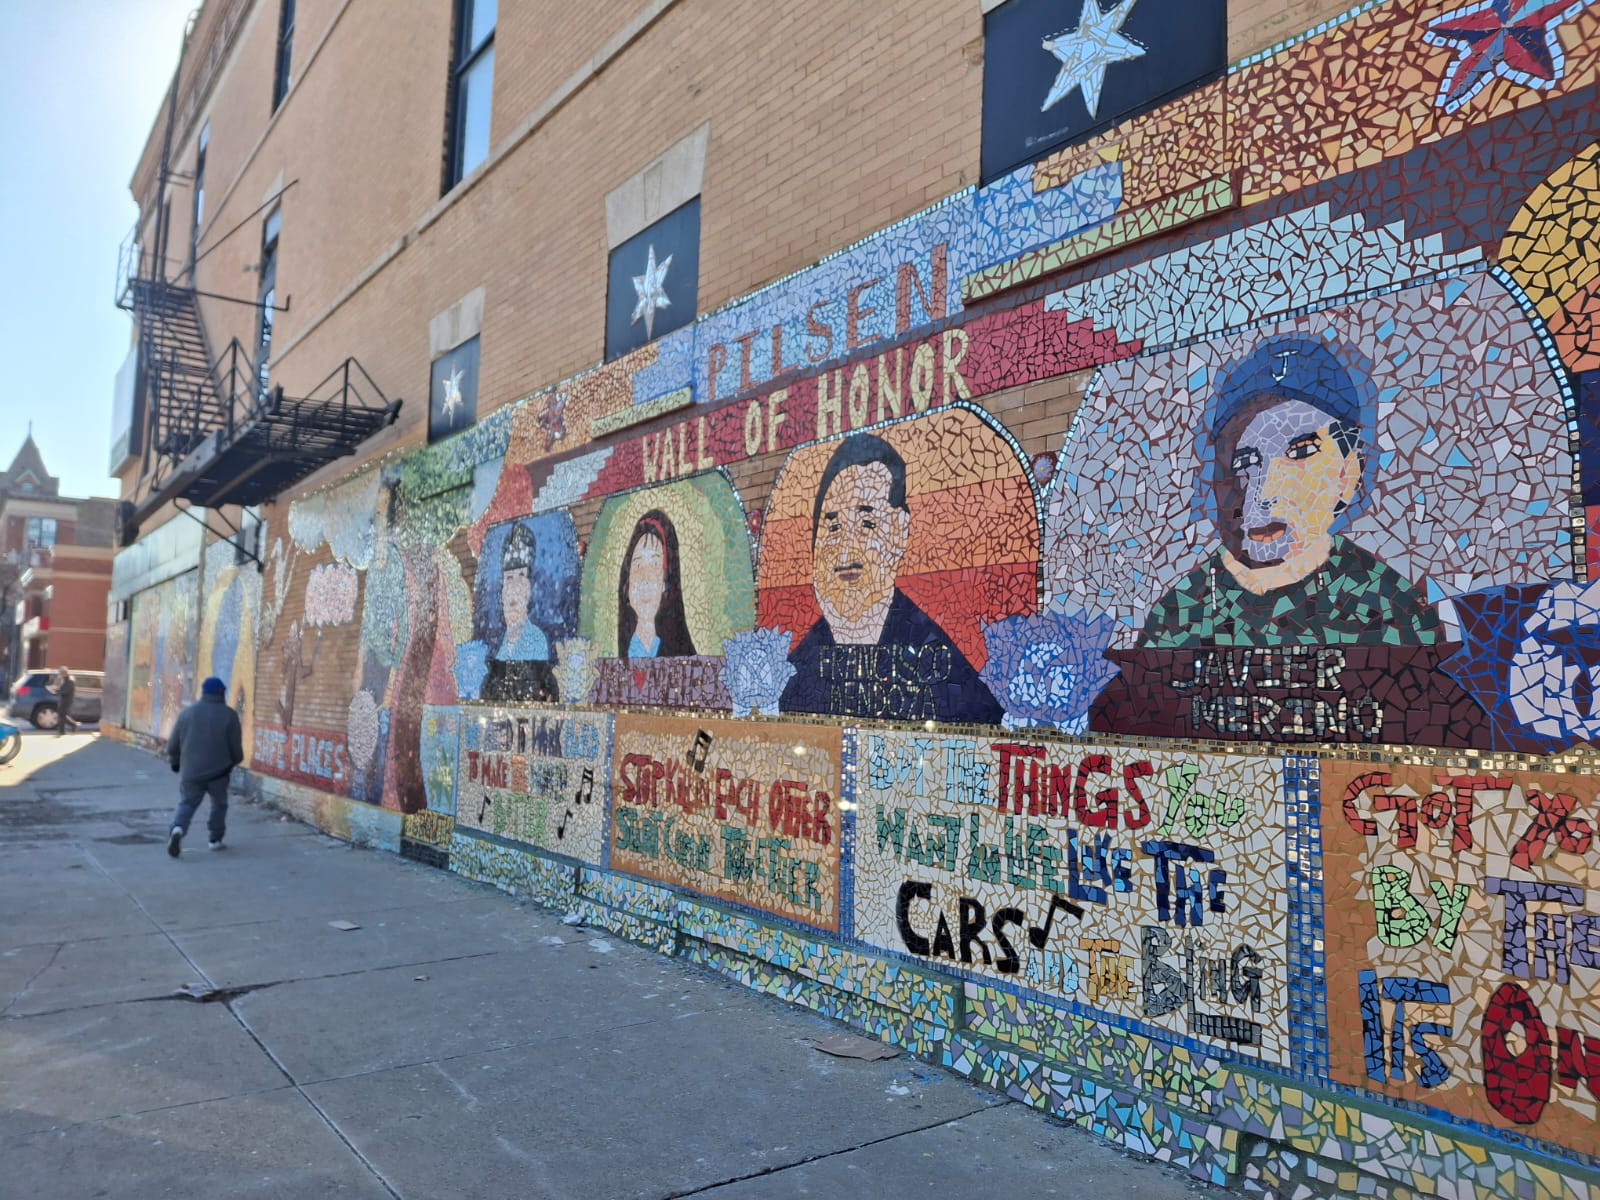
{"type": "Point", "coordinates": [1463, 929]}
{"type": "Point", "coordinates": [453, 391]}
{"type": "Point", "coordinates": [1147, 885]}
{"type": "Point", "coordinates": [536, 777]}
{"type": "Point", "coordinates": [1055, 72]}
{"type": "Point", "coordinates": [653, 281]}
{"type": "Point", "coordinates": [735, 810]}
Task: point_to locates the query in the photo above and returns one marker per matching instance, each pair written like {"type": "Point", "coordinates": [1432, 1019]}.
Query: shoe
{"type": "Point", "coordinates": [217, 846]}
{"type": "Point", "coordinates": [174, 842]}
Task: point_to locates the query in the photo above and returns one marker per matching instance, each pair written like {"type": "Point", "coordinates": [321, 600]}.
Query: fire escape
{"type": "Point", "coordinates": [215, 433]}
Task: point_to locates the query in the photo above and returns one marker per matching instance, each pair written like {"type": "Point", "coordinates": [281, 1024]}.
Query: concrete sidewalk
{"type": "Point", "coordinates": [458, 1044]}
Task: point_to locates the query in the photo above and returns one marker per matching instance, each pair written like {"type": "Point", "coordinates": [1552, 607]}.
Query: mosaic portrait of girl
{"type": "Point", "coordinates": [666, 580]}
{"type": "Point", "coordinates": [651, 622]}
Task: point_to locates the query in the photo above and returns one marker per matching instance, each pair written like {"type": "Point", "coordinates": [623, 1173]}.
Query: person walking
{"type": "Point", "coordinates": [205, 746]}
{"type": "Point", "coordinates": [66, 693]}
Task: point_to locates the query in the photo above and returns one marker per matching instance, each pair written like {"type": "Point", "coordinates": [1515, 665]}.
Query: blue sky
{"type": "Point", "coordinates": [80, 85]}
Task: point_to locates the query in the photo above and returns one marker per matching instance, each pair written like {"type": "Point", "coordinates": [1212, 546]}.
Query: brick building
{"type": "Point", "coordinates": [55, 570]}
{"type": "Point", "coordinates": [1026, 526]}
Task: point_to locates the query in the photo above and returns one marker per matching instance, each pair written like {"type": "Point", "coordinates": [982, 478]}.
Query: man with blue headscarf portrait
{"type": "Point", "coordinates": [1287, 442]}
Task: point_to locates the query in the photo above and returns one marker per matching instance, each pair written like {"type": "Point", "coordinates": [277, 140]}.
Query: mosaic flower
{"type": "Point", "coordinates": [348, 520]}
{"type": "Point", "coordinates": [472, 668]}
{"type": "Point", "coordinates": [575, 668]}
{"type": "Point", "coordinates": [1048, 669]}
{"type": "Point", "coordinates": [331, 594]}
{"type": "Point", "coordinates": [305, 522]}
{"type": "Point", "coordinates": [1552, 689]}
{"type": "Point", "coordinates": [361, 728]}
{"type": "Point", "coordinates": [757, 669]}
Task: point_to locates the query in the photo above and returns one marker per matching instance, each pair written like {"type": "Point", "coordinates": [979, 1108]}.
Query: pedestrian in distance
{"type": "Point", "coordinates": [205, 746]}
{"type": "Point", "coordinates": [66, 693]}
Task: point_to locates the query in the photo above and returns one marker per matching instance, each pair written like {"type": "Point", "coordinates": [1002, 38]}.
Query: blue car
{"type": "Point", "coordinates": [33, 699]}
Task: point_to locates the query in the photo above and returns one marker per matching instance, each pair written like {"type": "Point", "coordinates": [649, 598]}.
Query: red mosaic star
{"type": "Point", "coordinates": [1515, 39]}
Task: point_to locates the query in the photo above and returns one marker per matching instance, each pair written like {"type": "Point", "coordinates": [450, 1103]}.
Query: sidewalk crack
{"type": "Point", "coordinates": [28, 987]}
{"type": "Point", "coordinates": [827, 1154]}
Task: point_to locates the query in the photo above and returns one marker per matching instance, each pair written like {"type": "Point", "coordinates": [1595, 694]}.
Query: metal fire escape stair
{"type": "Point", "coordinates": [178, 365]}
{"type": "Point", "coordinates": [218, 435]}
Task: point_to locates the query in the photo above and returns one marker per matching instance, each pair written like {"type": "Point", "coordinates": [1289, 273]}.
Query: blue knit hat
{"type": "Point", "coordinates": [1333, 377]}
{"type": "Point", "coordinates": [1294, 367]}
{"type": "Point", "coordinates": [213, 687]}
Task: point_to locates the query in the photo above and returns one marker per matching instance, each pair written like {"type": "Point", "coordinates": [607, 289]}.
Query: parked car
{"type": "Point", "coordinates": [33, 698]}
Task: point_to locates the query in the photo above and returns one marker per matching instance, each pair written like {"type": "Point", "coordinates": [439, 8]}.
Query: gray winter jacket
{"type": "Point", "coordinates": [206, 742]}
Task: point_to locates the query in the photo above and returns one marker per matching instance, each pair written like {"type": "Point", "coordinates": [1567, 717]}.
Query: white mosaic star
{"type": "Point", "coordinates": [452, 395]}
{"type": "Point", "coordinates": [652, 291]}
{"type": "Point", "coordinates": [1087, 51]}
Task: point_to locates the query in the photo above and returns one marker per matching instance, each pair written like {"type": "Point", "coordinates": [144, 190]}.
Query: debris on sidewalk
{"type": "Point", "coordinates": [572, 918]}
{"type": "Point", "coordinates": [346, 926]}
{"type": "Point", "coordinates": [845, 1045]}
{"type": "Point", "coordinates": [213, 995]}
{"type": "Point", "coordinates": [419, 979]}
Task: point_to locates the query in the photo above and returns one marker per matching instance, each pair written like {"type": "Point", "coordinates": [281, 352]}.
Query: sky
{"type": "Point", "coordinates": [81, 82]}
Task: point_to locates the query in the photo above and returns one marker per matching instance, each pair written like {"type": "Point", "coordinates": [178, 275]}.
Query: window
{"type": "Point", "coordinates": [41, 532]}
{"type": "Point", "coordinates": [267, 294]}
{"type": "Point", "coordinates": [280, 73]}
{"type": "Point", "coordinates": [453, 391]}
{"type": "Point", "coordinates": [199, 191]}
{"type": "Point", "coordinates": [471, 87]}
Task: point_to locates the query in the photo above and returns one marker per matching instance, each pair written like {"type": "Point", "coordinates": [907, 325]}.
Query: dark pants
{"type": "Point", "coordinates": [192, 792]}
{"type": "Point", "coordinates": [63, 720]}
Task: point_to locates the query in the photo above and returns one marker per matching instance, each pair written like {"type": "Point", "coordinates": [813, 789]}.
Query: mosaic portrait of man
{"type": "Point", "coordinates": [873, 650]}
{"type": "Point", "coordinates": [1287, 440]}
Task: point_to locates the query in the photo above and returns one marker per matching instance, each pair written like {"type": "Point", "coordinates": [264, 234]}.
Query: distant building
{"type": "Point", "coordinates": [55, 570]}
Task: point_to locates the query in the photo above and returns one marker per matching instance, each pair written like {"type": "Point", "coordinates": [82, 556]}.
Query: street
{"type": "Point", "coordinates": [458, 1043]}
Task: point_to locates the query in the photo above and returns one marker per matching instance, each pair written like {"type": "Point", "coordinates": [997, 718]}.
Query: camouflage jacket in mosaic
{"type": "Point", "coordinates": [1352, 599]}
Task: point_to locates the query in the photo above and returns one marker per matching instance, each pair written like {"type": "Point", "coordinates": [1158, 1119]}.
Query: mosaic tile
{"type": "Point", "coordinates": [719, 807]}
{"type": "Point", "coordinates": [1128, 226]}
{"type": "Point", "coordinates": [1146, 886]}
{"type": "Point", "coordinates": [1465, 939]}
{"type": "Point", "coordinates": [514, 870]}
{"type": "Point", "coordinates": [883, 567]}
{"type": "Point", "coordinates": [659, 629]}
{"type": "Point", "coordinates": [537, 778]}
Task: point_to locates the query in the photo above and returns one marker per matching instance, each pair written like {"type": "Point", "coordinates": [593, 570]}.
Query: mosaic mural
{"type": "Point", "coordinates": [535, 777]}
{"type": "Point", "coordinates": [305, 664]}
{"type": "Point", "coordinates": [1151, 886]}
{"type": "Point", "coordinates": [666, 583]}
{"type": "Point", "coordinates": [948, 550]}
{"type": "Point", "coordinates": [1291, 535]}
{"type": "Point", "coordinates": [227, 645]}
{"type": "Point", "coordinates": [725, 809]}
{"type": "Point", "coordinates": [1464, 928]}
{"type": "Point", "coordinates": [525, 601]}
{"type": "Point", "coordinates": [884, 554]}
{"type": "Point", "coordinates": [161, 654]}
